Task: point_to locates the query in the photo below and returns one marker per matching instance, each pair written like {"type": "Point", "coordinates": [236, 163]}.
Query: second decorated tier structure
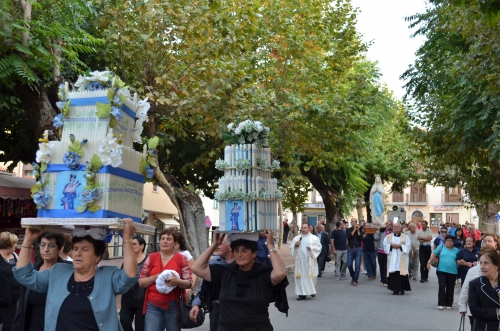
{"type": "Point", "coordinates": [92, 176]}
{"type": "Point", "coordinates": [248, 195]}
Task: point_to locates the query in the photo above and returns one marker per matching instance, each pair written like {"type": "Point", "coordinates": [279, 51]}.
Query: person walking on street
{"type": "Point", "coordinates": [447, 271]}
{"type": "Point", "coordinates": [370, 256]}
{"type": "Point", "coordinates": [381, 256]}
{"type": "Point", "coordinates": [224, 255]}
{"type": "Point", "coordinates": [424, 237]}
{"type": "Point", "coordinates": [338, 241]}
{"type": "Point", "coordinates": [397, 246]}
{"type": "Point", "coordinates": [414, 253]}
{"type": "Point", "coordinates": [354, 252]}
{"type": "Point", "coordinates": [323, 239]}
{"type": "Point", "coordinates": [305, 249]}
{"type": "Point", "coordinates": [286, 230]}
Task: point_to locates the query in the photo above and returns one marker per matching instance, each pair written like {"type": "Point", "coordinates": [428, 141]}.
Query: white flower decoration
{"type": "Point", "coordinates": [80, 83]}
{"type": "Point", "coordinates": [111, 151]}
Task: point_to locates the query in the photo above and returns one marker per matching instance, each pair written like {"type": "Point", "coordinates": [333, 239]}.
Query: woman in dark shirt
{"type": "Point", "coordinates": [30, 314]}
{"type": "Point", "coordinates": [467, 258]}
{"type": "Point", "coordinates": [4, 294]}
{"type": "Point", "coordinates": [245, 286]}
{"type": "Point", "coordinates": [133, 300]}
{"type": "Point", "coordinates": [370, 256]}
{"type": "Point", "coordinates": [8, 243]}
{"type": "Point", "coordinates": [459, 239]}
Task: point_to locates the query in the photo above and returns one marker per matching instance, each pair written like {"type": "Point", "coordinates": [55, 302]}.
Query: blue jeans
{"type": "Point", "coordinates": [159, 319]}
{"type": "Point", "coordinates": [370, 263]}
{"type": "Point", "coordinates": [354, 255]}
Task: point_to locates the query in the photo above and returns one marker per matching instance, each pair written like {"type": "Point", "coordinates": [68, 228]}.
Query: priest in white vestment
{"type": "Point", "coordinates": [397, 246]}
{"type": "Point", "coordinates": [305, 248]}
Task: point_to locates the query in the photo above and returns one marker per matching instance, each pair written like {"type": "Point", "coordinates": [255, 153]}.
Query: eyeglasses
{"type": "Point", "coordinates": [50, 245]}
{"type": "Point", "coordinates": [444, 231]}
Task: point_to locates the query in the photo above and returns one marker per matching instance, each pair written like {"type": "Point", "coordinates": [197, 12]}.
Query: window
{"type": "Point", "coordinates": [155, 189]}
{"type": "Point", "coordinates": [28, 173]}
{"type": "Point", "coordinates": [436, 219]}
{"type": "Point", "coordinates": [216, 204]}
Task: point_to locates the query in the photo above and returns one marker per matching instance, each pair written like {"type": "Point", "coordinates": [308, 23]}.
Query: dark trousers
{"type": "Point", "coordinates": [370, 263]}
{"type": "Point", "coordinates": [285, 234]}
{"type": "Point", "coordinates": [214, 318]}
{"type": "Point", "coordinates": [127, 315]}
{"type": "Point", "coordinates": [446, 284]}
{"type": "Point", "coordinates": [425, 255]}
{"type": "Point", "coordinates": [382, 264]}
{"type": "Point", "coordinates": [321, 263]}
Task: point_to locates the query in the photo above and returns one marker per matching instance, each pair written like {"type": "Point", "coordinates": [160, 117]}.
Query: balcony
{"type": "Point", "coordinates": [451, 199]}
{"type": "Point", "coordinates": [398, 197]}
{"type": "Point", "coordinates": [416, 199]}
{"type": "Point", "coordinates": [408, 199]}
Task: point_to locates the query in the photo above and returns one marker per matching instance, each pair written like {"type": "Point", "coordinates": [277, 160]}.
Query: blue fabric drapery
{"type": "Point", "coordinates": [378, 206]}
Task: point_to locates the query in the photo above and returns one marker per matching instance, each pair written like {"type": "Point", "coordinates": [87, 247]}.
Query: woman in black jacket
{"type": "Point", "coordinates": [4, 294]}
{"type": "Point", "coordinates": [484, 302]}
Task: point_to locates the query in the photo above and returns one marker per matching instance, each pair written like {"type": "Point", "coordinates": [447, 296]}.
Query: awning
{"type": "Point", "coordinates": [169, 221]}
{"type": "Point", "coordinates": [15, 187]}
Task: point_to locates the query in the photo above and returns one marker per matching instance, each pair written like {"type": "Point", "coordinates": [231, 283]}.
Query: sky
{"type": "Point", "coordinates": [382, 22]}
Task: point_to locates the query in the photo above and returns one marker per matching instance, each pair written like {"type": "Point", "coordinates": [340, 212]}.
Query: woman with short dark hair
{"type": "Point", "coordinates": [243, 283]}
{"type": "Point", "coordinates": [30, 314]}
{"type": "Point", "coordinates": [447, 271]}
{"type": "Point", "coordinates": [484, 302]}
{"type": "Point", "coordinates": [81, 296]}
{"type": "Point", "coordinates": [133, 301]}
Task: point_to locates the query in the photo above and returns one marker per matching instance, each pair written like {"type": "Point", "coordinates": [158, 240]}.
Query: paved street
{"type": "Point", "coordinates": [340, 306]}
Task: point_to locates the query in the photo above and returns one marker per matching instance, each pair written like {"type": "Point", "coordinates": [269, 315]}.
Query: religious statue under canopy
{"type": "Point", "coordinates": [377, 196]}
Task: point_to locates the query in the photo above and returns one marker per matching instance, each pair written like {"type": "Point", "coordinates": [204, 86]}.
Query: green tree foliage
{"type": "Point", "coordinates": [454, 85]}
{"type": "Point", "coordinates": [38, 38]}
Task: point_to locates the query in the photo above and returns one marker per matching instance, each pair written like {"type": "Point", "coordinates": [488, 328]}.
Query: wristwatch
{"type": "Point", "coordinates": [271, 250]}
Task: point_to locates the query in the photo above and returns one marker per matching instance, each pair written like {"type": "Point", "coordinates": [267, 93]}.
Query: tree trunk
{"type": "Point", "coordinates": [26, 6]}
{"type": "Point", "coordinates": [333, 205]}
{"type": "Point", "coordinates": [188, 204]}
{"type": "Point", "coordinates": [359, 210]}
{"type": "Point", "coordinates": [366, 196]}
{"type": "Point", "coordinates": [193, 221]}
{"type": "Point", "coordinates": [486, 214]}
{"type": "Point", "coordinates": [295, 229]}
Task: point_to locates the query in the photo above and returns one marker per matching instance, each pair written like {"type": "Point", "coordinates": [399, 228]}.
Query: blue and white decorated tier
{"type": "Point", "coordinates": [92, 176]}
{"type": "Point", "coordinates": [248, 195]}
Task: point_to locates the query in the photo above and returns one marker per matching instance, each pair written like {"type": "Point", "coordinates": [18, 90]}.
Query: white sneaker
{"type": "Point", "coordinates": [449, 308]}
{"type": "Point", "coordinates": [364, 272]}
{"type": "Point", "coordinates": [337, 278]}
{"type": "Point", "coordinates": [440, 307]}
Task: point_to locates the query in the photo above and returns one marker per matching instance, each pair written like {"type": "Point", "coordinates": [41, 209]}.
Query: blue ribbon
{"type": "Point", "coordinates": [104, 170]}
{"type": "Point", "coordinates": [72, 213]}
{"type": "Point", "coordinates": [92, 101]}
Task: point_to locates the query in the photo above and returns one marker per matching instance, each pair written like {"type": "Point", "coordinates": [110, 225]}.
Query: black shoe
{"type": "Point", "coordinates": [301, 297]}
{"type": "Point", "coordinates": [313, 295]}
{"type": "Point", "coordinates": [319, 275]}
{"type": "Point", "coordinates": [395, 293]}
{"type": "Point", "coordinates": [402, 292]}
{"type": "Point", "coordinates": [426, 280]}
{"type": "Point", "coordinates": [422, 280]}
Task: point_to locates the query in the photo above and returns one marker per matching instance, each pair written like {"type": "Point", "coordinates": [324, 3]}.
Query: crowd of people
{"type": "Point", "coordinates": [461, 255]}
{"type": "Point", "coordinates": [234, 273]}
{"type": "Point", "coordinates": [67, 289]}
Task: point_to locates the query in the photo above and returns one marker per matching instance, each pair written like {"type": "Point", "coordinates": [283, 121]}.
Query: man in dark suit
{"type": "Point", "coordinates": [325, 241]}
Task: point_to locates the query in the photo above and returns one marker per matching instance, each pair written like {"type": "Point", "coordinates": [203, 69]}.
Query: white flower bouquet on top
{"type": "Point", "coordinates": [247, 132]}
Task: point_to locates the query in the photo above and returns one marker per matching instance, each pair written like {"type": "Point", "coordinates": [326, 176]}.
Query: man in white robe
{"type": "Point", "coordinates": [397, 246]}
{"type": "Point", "coordinates": [305, 248]}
